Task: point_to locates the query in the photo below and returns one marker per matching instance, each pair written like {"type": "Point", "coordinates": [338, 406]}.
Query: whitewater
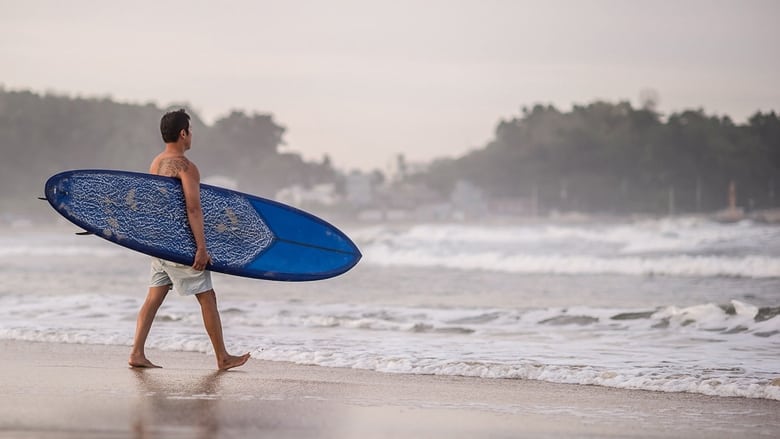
{"type": "Point", "coordinates": [672, 305]}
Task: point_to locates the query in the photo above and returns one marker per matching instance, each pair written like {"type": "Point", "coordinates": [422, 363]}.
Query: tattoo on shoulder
{"type": "Point", "coordinates": [172, 167]}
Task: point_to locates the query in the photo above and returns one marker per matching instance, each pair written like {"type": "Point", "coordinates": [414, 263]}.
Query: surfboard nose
{"type": "Point", "coordinates": [305, 247]}
{"type": "Point", "coordinates": [292, 262]}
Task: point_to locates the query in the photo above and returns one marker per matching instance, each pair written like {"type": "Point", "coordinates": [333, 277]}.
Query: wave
{"type": "Point", "coordinates": [669, 348]}
{"type": "Point", "coordinates": [653, 236]}
{"type": "Point", "coordinates": [62, 250]}
{"type": "Point", "coordinates": [712, 382]}
{"type": "Point", "coordinates": [670, 377]}
{"type": "Point", "coordinates": [677, 247]}
{"type": "Point", "coordinates": [709, 319]}
{"type": "Point", "coordinates": [731, 319]}
{"type": "Point", "coordinates": [55, 243]}
{"type": "Point", "coordinates": [758, 267]}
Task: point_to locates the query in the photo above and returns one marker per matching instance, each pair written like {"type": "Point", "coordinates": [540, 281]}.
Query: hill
{"type": "Point", "coordinates": [43, 134]}
{"type": "Point", "coordinates": [613, 158]}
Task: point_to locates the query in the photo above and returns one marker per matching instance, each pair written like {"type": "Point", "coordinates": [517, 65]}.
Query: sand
{"type": "Point", "coordinates": [86, 391]}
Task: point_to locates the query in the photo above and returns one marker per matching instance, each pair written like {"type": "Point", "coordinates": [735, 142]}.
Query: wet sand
{"type": "Point", "coordinates": [87, 391]}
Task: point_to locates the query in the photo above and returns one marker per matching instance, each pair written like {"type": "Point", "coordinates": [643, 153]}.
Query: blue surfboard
{"type": "Point", "coordinates": [246, 235]}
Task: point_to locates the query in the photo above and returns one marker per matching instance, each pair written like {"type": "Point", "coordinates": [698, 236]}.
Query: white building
{"type": "Point", "coordinates": [321, 194]}
{"type": "Point", "coordinates": [359, 187]}
{"type": "Point", "coordinates": [468, 199]}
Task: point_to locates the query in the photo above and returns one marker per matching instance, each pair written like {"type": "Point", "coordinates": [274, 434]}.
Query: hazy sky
{"type": "Point", "coordinates": [366, 80]}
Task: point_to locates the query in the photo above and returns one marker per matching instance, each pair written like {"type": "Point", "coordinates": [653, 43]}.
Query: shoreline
{"type": "Point", "coordinates": [70, 390]}
{"type": "Point", "coordinates": [767, 217]}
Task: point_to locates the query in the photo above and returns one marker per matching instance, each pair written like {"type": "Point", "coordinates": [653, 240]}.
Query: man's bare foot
{"type": "Point", "coordinates": [141, 362]}
{"type": "Point", "coordinates": [231, 361]}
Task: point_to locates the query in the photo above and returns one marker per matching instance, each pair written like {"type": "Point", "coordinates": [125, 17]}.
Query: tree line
{"type": "Point", "coordinates": [601, 157]}
{"type": "Point", "coordinates": [614, 158]}
{"type": "Point", "coordinates": [44, 134]}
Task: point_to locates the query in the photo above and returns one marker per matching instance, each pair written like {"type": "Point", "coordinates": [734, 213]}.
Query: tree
{"type": "Point", "coordinates": [43, 134]}
{"type": "Point", "coordinates": [611, 157]}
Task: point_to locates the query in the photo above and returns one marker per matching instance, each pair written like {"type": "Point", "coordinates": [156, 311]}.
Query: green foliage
{"type": "Point", "coordinates": [601, 157]}
{"type": "Point", "coordinates": [41, 135]}
{"type": "Point", "coordinates": [613, 158]}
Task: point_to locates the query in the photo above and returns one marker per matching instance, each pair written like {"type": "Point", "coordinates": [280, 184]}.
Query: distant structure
{"type": "Point", "coordinates": [359, 188]}
{"type": "Point", "coordinates": [299, 196]}
{"type": "Point", "coordinates": [732, 213]}
{"type": "Point", "coordinates": [649, 98]}
{"type": "Point", "coordinates": [468, 199]}
{"type": "Point", "coordinates": [732, 195]}
{"type": "Point", "coordinates": [400, 168]}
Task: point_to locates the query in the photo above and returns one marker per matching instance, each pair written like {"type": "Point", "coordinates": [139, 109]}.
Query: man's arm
{"type": "Point", "coordinates": [190, 183]}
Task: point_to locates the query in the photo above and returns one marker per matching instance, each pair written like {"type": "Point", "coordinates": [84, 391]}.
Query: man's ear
{"type": "Point", "coordinates": [182, 134]}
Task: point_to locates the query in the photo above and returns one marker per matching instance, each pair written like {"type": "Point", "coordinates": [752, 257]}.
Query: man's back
{"type": "Point", "coordinates": [170, 165]}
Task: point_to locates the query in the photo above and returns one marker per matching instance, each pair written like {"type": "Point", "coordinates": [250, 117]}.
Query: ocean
{"type": "Point", "coordinates": [671, 305]}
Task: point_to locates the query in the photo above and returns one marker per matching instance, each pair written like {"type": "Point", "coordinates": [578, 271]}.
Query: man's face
{"type": "Point", "coordinates": [188, 138]}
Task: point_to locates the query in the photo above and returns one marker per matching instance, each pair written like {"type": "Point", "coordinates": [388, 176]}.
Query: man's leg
{"type": "Point", "coordinates": [146, 315]}
{"type": "Point", "coordinates": [213, 324]}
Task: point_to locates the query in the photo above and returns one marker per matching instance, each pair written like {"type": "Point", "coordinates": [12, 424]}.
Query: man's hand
{"type": "Point", "coordinates": [202, 259]}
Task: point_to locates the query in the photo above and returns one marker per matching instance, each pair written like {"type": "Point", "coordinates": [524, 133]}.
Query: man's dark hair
{"type": "Point", "coordinates": [172, 123]}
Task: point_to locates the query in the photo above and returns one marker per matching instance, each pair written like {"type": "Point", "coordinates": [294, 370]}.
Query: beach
{"type": "Point", "coordinates": [72, 390]}
{"type": "Point", "coordinates": [655, 328]}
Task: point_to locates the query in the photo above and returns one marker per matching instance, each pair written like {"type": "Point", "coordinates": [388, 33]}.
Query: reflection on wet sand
{"type": "Point", "coordinates": [179, 407]}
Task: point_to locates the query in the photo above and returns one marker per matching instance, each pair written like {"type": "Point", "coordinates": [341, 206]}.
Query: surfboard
{"type": "Point", "coordinates": [246, 235]}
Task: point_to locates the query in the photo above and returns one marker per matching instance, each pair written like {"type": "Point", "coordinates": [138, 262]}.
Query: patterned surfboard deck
{"type": "Point", "coordinates": [246, 235]}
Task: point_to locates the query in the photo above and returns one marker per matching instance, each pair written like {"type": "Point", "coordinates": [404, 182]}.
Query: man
{"type": "Point", "coordinates": [195, 280]}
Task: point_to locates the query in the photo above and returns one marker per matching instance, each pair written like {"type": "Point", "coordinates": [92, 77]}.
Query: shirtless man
{"type": "Point", "coordinates": [195, 280]}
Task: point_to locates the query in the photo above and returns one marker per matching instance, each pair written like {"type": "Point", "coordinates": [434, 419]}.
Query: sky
{"type": "Point", "coordinates": [365, 81]}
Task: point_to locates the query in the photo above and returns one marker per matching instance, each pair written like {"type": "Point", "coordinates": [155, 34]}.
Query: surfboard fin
{"type": "Point", "coordinates": [43, 198]}
{"type": "Point", "coordinates": [84, 233]}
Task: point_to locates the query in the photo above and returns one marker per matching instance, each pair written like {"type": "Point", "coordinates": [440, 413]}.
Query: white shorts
{"type": "Point", "coordinates": [186, 280]}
